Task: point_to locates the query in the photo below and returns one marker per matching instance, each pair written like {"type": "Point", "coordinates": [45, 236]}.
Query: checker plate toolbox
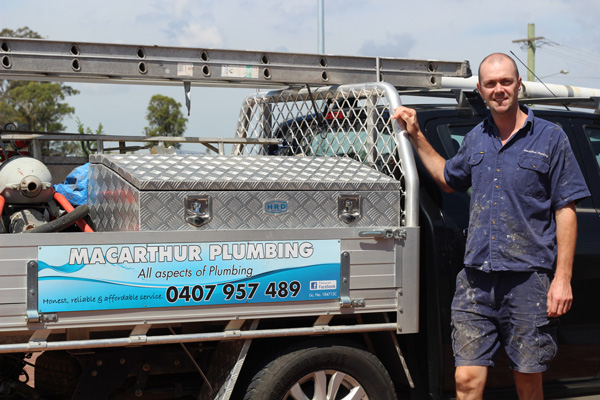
{"type": "Point", "coordinates": [261, 193]}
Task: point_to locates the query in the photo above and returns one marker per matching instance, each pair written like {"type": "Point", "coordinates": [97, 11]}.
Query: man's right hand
{"type": "Point", "coordinates": [409, 116]}
{"type": "Point", "coordinates": [431, 158]}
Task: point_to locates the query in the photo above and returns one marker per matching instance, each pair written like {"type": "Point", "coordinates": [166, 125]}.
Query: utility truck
{"type": "Point", "coordinates": [289, 263]}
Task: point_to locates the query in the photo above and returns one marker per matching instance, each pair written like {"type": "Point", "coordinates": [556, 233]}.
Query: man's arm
{"type": "Point", "coordinates": [431, 158]}
{"type": "Point", "coordinates": [560, 295]}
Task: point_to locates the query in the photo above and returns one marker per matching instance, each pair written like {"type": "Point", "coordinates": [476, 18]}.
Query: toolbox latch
{"type": "Point", "coordinates": [198, 210]}
{"type": "Point", "coordinates": [349, 208]}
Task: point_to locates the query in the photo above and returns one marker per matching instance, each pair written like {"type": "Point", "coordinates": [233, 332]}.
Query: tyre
{"type": "Point", "coordinates": [322, 371]}
{"type": "Point", "coordinates": [56, 374]}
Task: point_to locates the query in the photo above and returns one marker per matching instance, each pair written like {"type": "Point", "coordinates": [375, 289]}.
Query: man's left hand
{"type": "Point", "coordinates": [560, 297]}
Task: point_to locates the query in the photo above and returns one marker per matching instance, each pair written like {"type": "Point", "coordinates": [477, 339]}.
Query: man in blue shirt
{"type": "Point", "coordinates": [522, 233]}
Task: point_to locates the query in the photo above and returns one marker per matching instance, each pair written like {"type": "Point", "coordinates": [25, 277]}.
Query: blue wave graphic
{"type": "Point", "coordinates": [71, 268]}
{"type": "Point", "coordinates": [303, 270]}
{"type": "Point", "coordinates": [283, 271]}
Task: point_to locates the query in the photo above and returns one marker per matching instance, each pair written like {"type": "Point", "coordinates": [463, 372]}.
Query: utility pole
{"type": "Point", "coordinates": [530, 43]}
{"type": "Point", "coordinates": [321, 27]}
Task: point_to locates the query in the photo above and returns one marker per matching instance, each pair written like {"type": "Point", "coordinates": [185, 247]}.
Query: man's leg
{"type": "Point", "coordinates": [470, 382]}
{"type": "Point", "coordinates": [530, 336]}
{"type": "Point", "coordinates": [529, 386]}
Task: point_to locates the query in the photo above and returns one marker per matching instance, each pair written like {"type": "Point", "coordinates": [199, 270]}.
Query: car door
{"type": "Point", "coordinates": [579, 332]}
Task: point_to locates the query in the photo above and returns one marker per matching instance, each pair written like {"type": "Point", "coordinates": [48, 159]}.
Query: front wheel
{"type": "Point", "coordinates": [324, 371]}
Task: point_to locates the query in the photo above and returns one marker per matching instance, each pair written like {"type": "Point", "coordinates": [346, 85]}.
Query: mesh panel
{"type": "Point", "coordinates": [332, 121]}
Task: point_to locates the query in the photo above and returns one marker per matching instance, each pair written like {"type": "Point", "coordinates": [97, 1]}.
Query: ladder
{"type": "Point", "coordinates": [47, 60]}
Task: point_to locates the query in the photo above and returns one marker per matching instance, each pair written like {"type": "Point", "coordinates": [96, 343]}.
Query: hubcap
{"type": "Point", "coordinates": [326, 385]}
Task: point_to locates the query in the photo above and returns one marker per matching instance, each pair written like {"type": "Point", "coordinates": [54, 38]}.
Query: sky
{"type": "Point", "coordinates": [453, 30]}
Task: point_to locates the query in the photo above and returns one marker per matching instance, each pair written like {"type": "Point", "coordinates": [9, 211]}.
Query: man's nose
{"type": "Point", "coordinates": [498, 87]}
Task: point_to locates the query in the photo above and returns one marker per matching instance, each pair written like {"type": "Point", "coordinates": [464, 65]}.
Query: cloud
{"type": "Point", "coordinates": [391, 46]}
{"type": "Point", "coordinates": [195, 35]}
{"type": "Point", "coordinates": [181, 7]}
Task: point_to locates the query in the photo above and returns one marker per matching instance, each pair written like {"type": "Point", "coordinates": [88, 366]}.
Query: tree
{"type": "Point", "coordinates": [77, 148]}
{"type": "Point", "coordinates": [40, 105]}
{"type": "Point", "coordinates": [24, 32]}
{"type": "Point", "coordinates": [165, 118]}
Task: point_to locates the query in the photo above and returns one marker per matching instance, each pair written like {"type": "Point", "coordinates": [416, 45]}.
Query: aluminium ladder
{"type": "Point", "coordinates": [47, 60]}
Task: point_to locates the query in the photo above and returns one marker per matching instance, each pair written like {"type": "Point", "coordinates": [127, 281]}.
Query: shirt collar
{"type": "Point", "coordinates": [489, 120]}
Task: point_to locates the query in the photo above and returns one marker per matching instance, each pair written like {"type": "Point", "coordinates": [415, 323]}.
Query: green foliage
{"type": "Point", "coordinates": [23, 32]}
{"type": "Point", "coordinates": [165, 118]}
{"type": "Point", "coordinates": [86, 130]}
{"type": "Point", "coordinates": [38, 104]}
{"type": "Point", "coordinates": [77, 148]}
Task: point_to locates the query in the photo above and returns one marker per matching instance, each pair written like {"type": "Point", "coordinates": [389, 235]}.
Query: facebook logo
{"type": "Point", "coordinates": [323, 285]}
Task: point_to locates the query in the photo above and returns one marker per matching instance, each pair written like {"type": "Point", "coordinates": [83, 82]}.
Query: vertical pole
{"type": "Point", "coordinates": [321, 27]}
{"type": "Point", "coordinates": [531, 51]}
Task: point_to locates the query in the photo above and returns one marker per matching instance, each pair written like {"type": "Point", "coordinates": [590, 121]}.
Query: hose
{"type": "Point", "coordinates": [62, 200]}
{"type": "Point", "coordinates": [61, 223]}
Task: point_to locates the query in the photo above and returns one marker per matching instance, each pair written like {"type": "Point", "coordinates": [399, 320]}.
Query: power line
{"type": "Point", "coordinates": [569, 57]}
{"type": "Point", "coordinates": [570, 53]}
{"type": "Point", "coordinates": [574, 50]}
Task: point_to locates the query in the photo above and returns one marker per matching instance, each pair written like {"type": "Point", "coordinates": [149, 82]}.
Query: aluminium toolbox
{"type": "Point", "coordinates": [202, 192]}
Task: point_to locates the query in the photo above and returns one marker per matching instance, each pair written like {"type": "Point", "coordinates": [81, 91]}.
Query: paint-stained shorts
{"type": "Point", "coordinates": [493, 309]}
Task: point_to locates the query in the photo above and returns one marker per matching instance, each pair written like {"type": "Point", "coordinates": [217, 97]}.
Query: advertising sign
{"type": "Point", "coordinates": [122, 276]}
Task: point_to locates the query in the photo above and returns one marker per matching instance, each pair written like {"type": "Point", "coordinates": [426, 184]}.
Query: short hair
{"type": "Point", "coordinates": [496, 57]}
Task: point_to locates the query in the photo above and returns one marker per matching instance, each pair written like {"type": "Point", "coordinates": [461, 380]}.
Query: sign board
{"type": "Point", "coordinates": [123, 276]}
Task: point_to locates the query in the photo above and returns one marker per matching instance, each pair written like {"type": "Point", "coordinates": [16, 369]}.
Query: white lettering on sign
{"type": "Point", "coordinates": [135, 254]}
{"type": "Point", "coordinates": [260, 251]}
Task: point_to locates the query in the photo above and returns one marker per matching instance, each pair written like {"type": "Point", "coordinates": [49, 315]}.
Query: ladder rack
{"type": "Point", "coordinates": [47, 60]}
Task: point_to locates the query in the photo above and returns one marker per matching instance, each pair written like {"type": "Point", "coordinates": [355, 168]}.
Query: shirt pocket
{"type": "Point", "coordinates": [531, 176]}
{"type": "Point", "coordinates": [475, 163]}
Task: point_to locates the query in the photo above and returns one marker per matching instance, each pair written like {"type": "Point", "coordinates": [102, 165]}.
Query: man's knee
{"type": "Point", "coordinates": [470, 379]}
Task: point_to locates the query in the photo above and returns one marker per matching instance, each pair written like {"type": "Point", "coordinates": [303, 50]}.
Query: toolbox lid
{"type": "Point", "coordinates": [214, 172]}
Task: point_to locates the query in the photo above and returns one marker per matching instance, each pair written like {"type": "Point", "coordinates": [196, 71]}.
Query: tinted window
{"type": "Point", "coordinates": [458, 133]}
{"type": "Point", "coordinates": [593, 134]}
{"type": "Point", "coordinates": [350, 143]}
{"type": "Point", "coordinates": [452, 136]}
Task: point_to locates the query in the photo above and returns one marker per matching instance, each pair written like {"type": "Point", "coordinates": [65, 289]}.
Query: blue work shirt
{"type": "Point", "coordinates": [516, 190]}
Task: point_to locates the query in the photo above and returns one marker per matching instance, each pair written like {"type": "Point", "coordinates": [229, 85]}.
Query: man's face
{"type": "Point", "coordinates": [499, 86]}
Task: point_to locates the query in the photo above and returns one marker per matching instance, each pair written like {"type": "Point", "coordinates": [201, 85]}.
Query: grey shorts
{"type": "Point", "coordinates": [508, 309]}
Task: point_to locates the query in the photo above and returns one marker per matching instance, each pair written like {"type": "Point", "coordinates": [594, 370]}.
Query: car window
{"type": "Point", "coordinates": [593, 133]}
{"type": "Point", "coordinates": [458, 133]}
{"type": "Point", "coordinates": [452, 136]}
{"type": "Point", "coordinates": [355, 144]}
{"type": "Point", "coordinates": [371, 143]}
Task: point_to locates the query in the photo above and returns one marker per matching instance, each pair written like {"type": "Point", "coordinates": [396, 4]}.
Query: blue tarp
{"type": "Point", "coordinates": [75, 186]}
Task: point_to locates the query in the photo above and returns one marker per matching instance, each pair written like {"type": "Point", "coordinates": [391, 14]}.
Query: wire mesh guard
{"type": "Point", "coordinates": [340, 121]}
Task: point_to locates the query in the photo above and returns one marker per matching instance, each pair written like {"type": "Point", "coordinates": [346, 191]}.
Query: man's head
{"type": "Point", "coordinates": [499, 83]}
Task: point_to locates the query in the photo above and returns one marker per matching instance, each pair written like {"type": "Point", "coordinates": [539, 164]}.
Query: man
{"type": "Point", "coordinates": [522, 233]}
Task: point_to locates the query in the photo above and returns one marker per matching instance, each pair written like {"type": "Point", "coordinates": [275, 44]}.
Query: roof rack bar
{"type": "Point", "coordinates": [46, 60]}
